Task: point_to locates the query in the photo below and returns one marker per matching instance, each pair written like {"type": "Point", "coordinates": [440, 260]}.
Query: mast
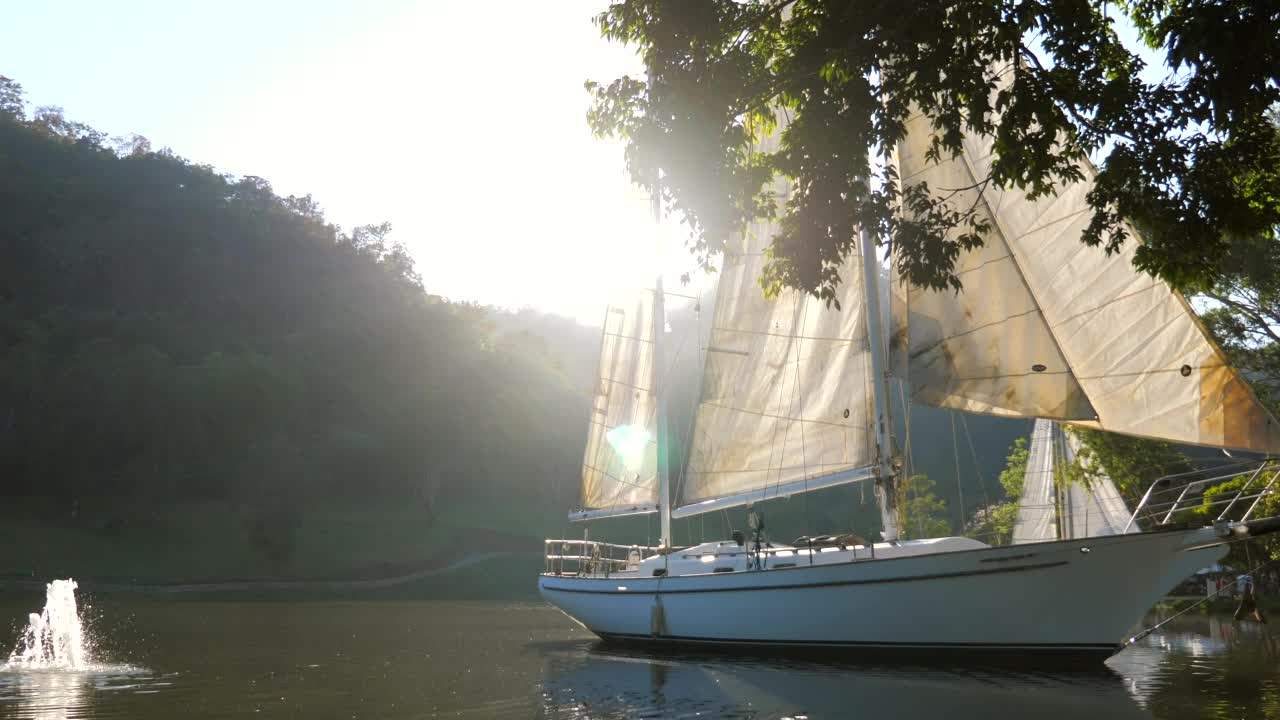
{"type": "Point", "coordinates": [659, 392]}
{"type": "Point", "coordinates": [664, 465]}
{"type": "Point", "coordinates": [886, 493]}
{"type": "Point", "coordinates": [659, 329]}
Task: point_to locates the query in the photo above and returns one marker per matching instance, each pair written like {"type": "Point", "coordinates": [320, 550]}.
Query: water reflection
{"type": "Point", "coordinates": [601, 683]}
{"type": "Point", "coordinates": [51, 694]}
{"type": "Point", "coordinates": [1204, 666]}
{"type": "Point", "coordinates": [44, 694]}
{"type": "Point", "coordinates": [391, 660]}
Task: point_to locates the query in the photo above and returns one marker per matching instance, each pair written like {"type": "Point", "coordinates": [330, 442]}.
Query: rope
{"type": "Point", "coordinates": [1195, 605]}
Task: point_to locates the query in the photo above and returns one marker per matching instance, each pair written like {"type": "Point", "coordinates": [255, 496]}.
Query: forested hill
{"type": "Point", "coordinates": [202, 380]}
{"type": "Point", "coordinates": [184, 353]}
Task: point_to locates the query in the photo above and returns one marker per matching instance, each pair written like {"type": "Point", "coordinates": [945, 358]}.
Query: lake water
{"type": "Point", "coordinates": [388, 659]}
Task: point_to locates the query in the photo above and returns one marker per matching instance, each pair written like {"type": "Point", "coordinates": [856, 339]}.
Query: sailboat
{"type": "Point", "coordinates": [794, 397]}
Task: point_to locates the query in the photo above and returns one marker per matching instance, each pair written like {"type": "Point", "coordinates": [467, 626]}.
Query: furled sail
{"type": "Point", "coordinates": [1048, 327]}
{"type": "Point", "coordinates": [1085, 512]}
{"type": "Point", "coordinates": [1095, 510]}
{"type": "Point", "coordinates": [786, 401]}
{"type": "Point", "coordinates": [619, 467]}
{"type": "Point", "coordinates": [1037, 518]}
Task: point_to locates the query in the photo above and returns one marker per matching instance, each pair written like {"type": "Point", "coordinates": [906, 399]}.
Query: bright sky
{"type": "Point", "coordinates": [461, 123]}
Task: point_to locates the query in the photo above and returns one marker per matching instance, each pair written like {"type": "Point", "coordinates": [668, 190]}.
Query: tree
{"type": "Point", "coordinates": [997, 522]}
{"type": "Point", "coordinates": [11, 102]}
{"type": "Point", "coordinates": [1216, 501]}
{"type": "Point", "coordinates": [171, 335]}
{"type": "Point", "coordinates": [54, 122]}
{"type": "Point", "coordinates": [1191, 157]}
{"type": "Point", "coordinates": [132, 144]}
{"type": "Point", "coordinates": [1132, 463]}
{"type": "Point", "coordinates": [925, 514]}
{"type": "Point", "coordinates": [1245, 318]}
{"type": "Point", "coordinates": [1015, 469]}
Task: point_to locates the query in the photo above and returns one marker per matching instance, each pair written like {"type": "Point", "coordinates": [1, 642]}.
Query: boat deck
{"type": "Point", "coordinates": [586, 558]}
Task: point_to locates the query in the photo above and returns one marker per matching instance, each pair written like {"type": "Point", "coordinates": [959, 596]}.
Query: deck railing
{"type": "Point", "coordinates": [1183, 488]}
{"type": "Point", "coordinates": [592, 558]}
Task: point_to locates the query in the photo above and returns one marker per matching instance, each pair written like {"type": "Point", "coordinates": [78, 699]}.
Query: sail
{"type": "Point", "coordinates": [1037, 518]}
{"type": "Point", "coordinates": [1085, 511]}
{"type": "Point", "coordinates": [1095, 510]}
{"type": "Point", "coordinates": [785, 404]}
{"type": "Point", "coordinates": [619, 467]}
{"type": "Point", "coordinates": [1048, 327]}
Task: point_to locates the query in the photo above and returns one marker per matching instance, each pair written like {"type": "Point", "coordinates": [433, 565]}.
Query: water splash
{"type": "Point", "coordinates": [55, 638]}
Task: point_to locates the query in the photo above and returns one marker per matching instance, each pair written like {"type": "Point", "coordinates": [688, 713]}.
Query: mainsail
{"type": "Point", "coordinates": [619, 467]}
{"type": "Point", "coordinates": [1048, 327]}
{"type": "Point", "coordinates": [786, 400]}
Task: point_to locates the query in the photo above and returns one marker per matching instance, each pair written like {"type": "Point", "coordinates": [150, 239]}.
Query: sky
{"type": "Point", "coordinates": [463, 124]}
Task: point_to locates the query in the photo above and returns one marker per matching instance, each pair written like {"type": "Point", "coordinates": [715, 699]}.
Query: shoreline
{"type": "Point", "coordinates": [92, 585]}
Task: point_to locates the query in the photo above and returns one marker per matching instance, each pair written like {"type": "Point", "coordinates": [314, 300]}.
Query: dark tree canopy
{"type": "Point", "coordinates": [1190, 158]}
{"type": "Point", "coordinates": [170, 334]}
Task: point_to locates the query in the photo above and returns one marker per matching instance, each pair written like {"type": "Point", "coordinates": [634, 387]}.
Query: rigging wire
{"type": "Point", "coordinates": [906, 412]}
{"type": "Point", "coordinates": [982, 483]}
{"type": "Point", "coordinates": [911, 464]}
{"type": "Point", "coordinates": [1197, 604]}
{"type": "Point", "coordinates": [955, 446]}
{"type": "Point", "coordinates": [696, 327]}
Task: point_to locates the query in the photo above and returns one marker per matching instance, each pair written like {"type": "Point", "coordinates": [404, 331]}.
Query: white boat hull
{"type": "Point", "coordinates": [1081, 595]}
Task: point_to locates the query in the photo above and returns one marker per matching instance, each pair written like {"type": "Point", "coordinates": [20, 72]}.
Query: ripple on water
{"type": "Point", "coordinates": [55, 693]}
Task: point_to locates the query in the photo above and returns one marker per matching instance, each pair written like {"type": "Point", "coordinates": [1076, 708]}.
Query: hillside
{"type": "Point", "coordinates": [201, 380]}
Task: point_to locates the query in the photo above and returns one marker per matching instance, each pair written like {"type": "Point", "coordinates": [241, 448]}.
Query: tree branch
{"type": "Point", "coordinates": [1247, 311]}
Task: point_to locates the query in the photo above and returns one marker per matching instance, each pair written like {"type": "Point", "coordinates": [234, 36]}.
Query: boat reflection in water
{"type": "Point", "coordinates": [605, 682]}
{"type": "Point", "coordinates": [1200, 662]}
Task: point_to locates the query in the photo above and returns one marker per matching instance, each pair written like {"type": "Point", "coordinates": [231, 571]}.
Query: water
{"type": "Point", "coordinates": [386, 659]}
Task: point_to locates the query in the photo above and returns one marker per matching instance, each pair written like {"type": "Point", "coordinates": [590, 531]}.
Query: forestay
{"type": "Point", "coordinates": [619, 468]}
{"type": "Point", "coordinates": [1048, 327]}
{"type": "Point", "coordinates": [786, 401]}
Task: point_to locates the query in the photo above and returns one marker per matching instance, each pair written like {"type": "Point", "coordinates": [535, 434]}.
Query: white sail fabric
{"type": "Point", "coordinates": [1037, 519]}
{"type": "Point", "coordinates": [1048, 327]}
{"type": "Point", "coordinates": [1085, 512]}
{"type": "Point", "coordinates": [1096, 510]}
{"type": "Point", "coordinates": [786, 396]}
{"type": "Point", "coordinates": [619, 468]}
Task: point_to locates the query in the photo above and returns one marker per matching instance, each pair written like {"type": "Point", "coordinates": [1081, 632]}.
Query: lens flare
{"type": "Point", "coordinates": [629, 442]}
